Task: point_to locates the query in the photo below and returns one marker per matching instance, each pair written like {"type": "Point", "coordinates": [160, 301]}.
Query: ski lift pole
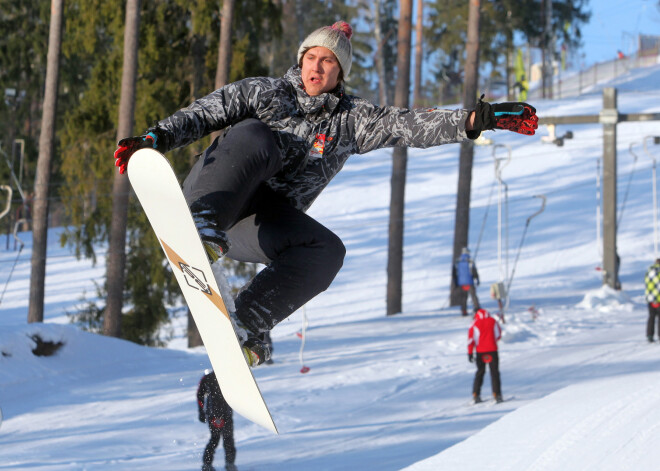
{"type": "Point", "coordinates": [625, 195]}
{"type": "Point", "coordinates": [522, 240]}
{"type": "Point", "coordinates": [599, 202]}
{"type": "Point", "coordinates": [303, 335]}
{"type": "Point", "coordinates": [499, 166]}
{"type": "Point", "coordinates": [655, 202]}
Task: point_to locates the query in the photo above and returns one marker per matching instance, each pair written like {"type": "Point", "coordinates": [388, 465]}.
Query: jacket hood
{"type": "Point", "coordinates": [481, 314]}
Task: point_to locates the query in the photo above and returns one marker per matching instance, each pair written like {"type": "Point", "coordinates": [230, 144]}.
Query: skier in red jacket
{"type": "Point", "coordinates": [483, 336]}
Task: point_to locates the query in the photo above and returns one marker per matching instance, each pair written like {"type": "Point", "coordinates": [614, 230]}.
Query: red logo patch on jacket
{"type": "Point", "coordinates": [316, 152]}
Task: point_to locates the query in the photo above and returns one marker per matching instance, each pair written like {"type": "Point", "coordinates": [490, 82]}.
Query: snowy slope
{"type": "Point", "coordinates": [605, 424]}
{"type": "Point", "coordinates": [383, 393]}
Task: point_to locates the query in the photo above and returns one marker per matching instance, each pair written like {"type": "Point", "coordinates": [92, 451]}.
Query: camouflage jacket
{"type": "Point", "coordinates": [316, 134]}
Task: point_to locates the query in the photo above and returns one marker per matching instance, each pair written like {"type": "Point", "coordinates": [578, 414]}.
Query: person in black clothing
{"type": "Point", "coordinates": [214, 410]}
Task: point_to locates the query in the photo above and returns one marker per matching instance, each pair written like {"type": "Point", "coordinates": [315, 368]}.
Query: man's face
{"type": "Point", "coordinates": [320, 71]}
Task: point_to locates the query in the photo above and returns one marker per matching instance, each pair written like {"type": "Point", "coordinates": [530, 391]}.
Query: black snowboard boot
{"type": "Point", "coordinates": [255, 348]}
{"type": "Point", "coordinates": [216, 243]}
{"type": "Point", "coordinates": [476, 398]}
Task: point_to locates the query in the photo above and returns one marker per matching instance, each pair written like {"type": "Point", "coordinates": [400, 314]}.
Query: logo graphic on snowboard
{"type": "Point", "coordinates": [195, 278]}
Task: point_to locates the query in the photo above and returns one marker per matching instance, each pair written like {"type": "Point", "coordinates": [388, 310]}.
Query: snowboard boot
{"type": "Point", "coordinates": [650, 338]}
{"type": "Point", "coordinates": [215, 242]}
{"type": "Point", "coordinates": [476, 398]}
{"type": "Point", "coordinates": [498, 398]}
{"type": "Point", "coordinates": [255, 350]}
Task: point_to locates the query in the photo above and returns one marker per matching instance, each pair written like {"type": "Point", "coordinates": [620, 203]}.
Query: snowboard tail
{"type": "Point", "coordinates": [159, 192]}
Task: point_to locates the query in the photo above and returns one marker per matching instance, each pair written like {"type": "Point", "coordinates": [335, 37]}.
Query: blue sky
{"type": "Point", "coordinates": [614, 24]}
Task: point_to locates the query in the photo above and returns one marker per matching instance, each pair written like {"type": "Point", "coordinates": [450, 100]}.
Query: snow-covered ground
{"type": "Point", "coordinates": [581, 382]}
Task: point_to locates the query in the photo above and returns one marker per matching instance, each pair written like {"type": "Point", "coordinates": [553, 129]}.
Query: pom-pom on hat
{"type": "Point", "coordinates": [337, 38]}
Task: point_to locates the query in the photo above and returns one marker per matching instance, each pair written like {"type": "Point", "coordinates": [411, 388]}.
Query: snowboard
{"type": "Point", "coordinates": [161, 197]}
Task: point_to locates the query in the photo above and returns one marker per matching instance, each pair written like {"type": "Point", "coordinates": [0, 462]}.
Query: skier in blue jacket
{"type": "Point", "coordinates": [284, 140]}
{"type": "Point", "coordinates": [465, 276]}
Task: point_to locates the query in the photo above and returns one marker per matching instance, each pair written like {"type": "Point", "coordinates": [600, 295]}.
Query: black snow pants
{"type": "Point", "coordinates": [654, 317]}
{"type": "Point", "coordinates": [494, 366]}
{"type": "Point", "coordinates": [221, 427]}
{"type": "Point", "coordinates": [302, 257]}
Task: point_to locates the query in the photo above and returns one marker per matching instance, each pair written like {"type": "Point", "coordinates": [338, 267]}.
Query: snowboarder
{"type": "Point", "coordinates": [483, 335]}
{"type": "Point", "coordinates": [465, 276]}
{"type": "Point", "coordinates": [214, 410]}
{"type": "Point", "coordinates": [284, 140]}
{"type": "Point", "coordinates": [652, 292]}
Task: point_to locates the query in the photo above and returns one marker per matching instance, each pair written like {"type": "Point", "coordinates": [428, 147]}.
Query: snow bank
{"type": "Point", "coordinates": [605, 299]}
{"type": "Point", "coordinates": [608, 424]}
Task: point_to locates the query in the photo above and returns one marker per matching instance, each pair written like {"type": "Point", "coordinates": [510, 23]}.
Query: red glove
{"type": "Point", "coordinates": [129, 145]}
{"type": "Point", "coordinates": [518, 117]}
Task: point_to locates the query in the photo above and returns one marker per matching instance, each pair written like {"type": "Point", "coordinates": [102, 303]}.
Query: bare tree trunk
{"type": "Point", "coordinates": [42, 180]}
{"type": "Point", "coordinates": [419, 42]}
{"type": "Point", "coordinates": [224, 48]}
{"type": "Point", "coordinates": [399, 162]}
{"type": "Point", "coordinates": [198, 51]}
{"type": "Point", "coordinates": [510, 60]}
{"type": "Point", "coordinates": [116, 262]}
{"type": "Point", "coordinates": [462, 221]}
{"type": "Point", "coordinates": [380, 54]}
{"type": "Point", "coordinates": [547, 50]}
{"type": "Point", "coordinates": [300, 20]}
{"type": "Point", "coordinates": [275, 43]}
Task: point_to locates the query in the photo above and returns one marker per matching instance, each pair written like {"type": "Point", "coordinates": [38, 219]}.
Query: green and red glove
{"type": "Point", "coordinates": [128, 146]}
{"type": "Point", "coordinates": [518, 117]}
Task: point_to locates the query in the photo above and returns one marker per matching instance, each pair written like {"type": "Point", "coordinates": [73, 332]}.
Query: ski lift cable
{"type": "Point", "coordinates": [506, 229]}
{"type": "Point", "coordinates": [483, 222]}
{"type": "Point", "coordinates": [522, 240]}
{"type": "Point", "coordinates": [499, 166]}
{"type": "Point", "coordinates": [630, 176]}
{"type": "Point", "coordinates": [655, 199]}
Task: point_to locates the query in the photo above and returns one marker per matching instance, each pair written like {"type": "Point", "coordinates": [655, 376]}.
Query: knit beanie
{"type": "Point", "coordinates": [337, 38]}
